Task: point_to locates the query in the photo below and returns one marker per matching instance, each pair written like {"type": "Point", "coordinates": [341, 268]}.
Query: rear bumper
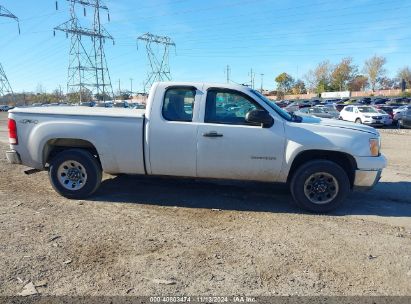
{"type": "Point", "coordinates": [13, 157]}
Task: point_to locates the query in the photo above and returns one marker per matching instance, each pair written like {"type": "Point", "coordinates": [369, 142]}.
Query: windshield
{"type": "Point", "coordinates": [316, 110]}
{"type": "Point", "coordinates": [367, 110]}
{"type": "Point", "coordinates": [273, 106]}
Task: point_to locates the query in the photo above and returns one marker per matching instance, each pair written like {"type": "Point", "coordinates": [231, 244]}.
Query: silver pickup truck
{"type": "Point", "coordinates": [199, 130]}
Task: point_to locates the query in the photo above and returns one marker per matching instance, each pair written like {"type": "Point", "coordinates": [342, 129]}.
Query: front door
{"type": "Point", "coordinates": [231, 148]}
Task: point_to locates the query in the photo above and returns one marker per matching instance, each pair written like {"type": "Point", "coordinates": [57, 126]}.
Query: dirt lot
{"type": "Point", "coordinates": [153, 236]}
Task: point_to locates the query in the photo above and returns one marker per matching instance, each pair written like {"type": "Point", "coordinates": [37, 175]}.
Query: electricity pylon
{"type": "Point", "coordinates": [87, 72]}
{"type": "Point", "coordinates": [5, 87]}
{"type": "Point", "coordinates": [158, 53]}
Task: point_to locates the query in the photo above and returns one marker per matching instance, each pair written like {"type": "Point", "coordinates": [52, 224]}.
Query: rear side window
{"type": "Point", "coordinates": [349, 109]}
{"type": "Point", "coordinates": [178, 104]}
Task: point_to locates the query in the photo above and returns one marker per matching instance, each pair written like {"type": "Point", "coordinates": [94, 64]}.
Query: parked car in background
{"type": "Point", "coordinates": [405, 121]}
{"type": "Point", "coordinates": [317, 112]}
{"type": "Point", "coordinates": [350, 101]}
{"type": "Point", "coordinates": [386, 118]}
{"type": "Point", "coordinates": [4, 108]}
{"type": "Point", "coordinates": [299, 104]}
{"type": "Point", "coordinates": [339, 106]}
{"type": "Point", "coordinates": [138, 106]}
{"type": "Point", "coordinates": [37, 104]}
{"type": "Point", "coordinates": [387, 109]}
{"type": "Point", "coordinates": [399, 112]}
{"type": "Point", "coordinates": [379, 101]}
{"type": "Point", "coordinates": [314, 101]}
{"type": "Point", "coordinates": [330, 108]}
{"type": "Point", "coordinates": [398, 101]}
{"type": "Point", "coordinates": [283, 103]}
{"type": "Point", "coordinates": [121, 104]}
{"type": "Point", "coordinates": [107, 104]}
{"type": "Point", "coordinates": [362, 115]}
{"type": "Point", "coordinates": [88, 104]}
{"type": "Point", "coordinates": [364, 101]}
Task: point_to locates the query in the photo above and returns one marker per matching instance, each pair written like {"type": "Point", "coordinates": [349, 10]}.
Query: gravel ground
{"type": "Point", "coordinates": [157, 236]}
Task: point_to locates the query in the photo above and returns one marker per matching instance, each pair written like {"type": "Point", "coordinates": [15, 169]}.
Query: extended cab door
{"type": "Point", "coordinates": [171, 131]}
{"type": "Point", "coordinates": [231, 148]}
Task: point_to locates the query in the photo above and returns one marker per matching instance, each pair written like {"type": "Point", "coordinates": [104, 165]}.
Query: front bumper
{"type": "Point", "coordinates": [366, 179]}
{"type": "Point", "coordinates": [13, 157]}
{"type": "Point", "coordinates": [373, 122]}
{"type": "Point", "coordinates": [369, 171]}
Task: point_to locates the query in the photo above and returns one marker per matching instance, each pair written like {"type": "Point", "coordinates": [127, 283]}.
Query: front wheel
{"type": "Point", "coordinates": [75, 174]}
{"type": "Point", "coordinates": [319, 186]}
{"type": "Point", "coordinates": [358, 121]}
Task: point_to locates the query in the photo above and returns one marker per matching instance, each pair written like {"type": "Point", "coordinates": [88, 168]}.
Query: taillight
{"type": "Point", "coordinates": [13, 132]}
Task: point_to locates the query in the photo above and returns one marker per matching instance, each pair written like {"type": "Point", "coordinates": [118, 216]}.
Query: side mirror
{"type": "Point", "coordinates": [260, 117]}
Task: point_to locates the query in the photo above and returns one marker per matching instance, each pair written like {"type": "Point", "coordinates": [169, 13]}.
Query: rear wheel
{"type": "Point", "coordinates": [320, 186]}
{"type": "Point", "coordinates": [75, 173]}
{"type": "Point", "coordinates": [358, 121]}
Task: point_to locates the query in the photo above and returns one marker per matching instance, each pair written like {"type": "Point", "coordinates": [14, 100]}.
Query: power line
{"type": "Point", "coordinates": [88, 72]}
{"type": "Point", "coordinates": [158, 52]}
{"type": "Point", "coordinates": [325, 13]}
{"type": "Point", "coordinates": [5, 87]}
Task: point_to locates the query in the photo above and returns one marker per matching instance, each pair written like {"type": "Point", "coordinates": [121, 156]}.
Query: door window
{"type": "Point", "coordinates": [178, 104]}
{"type": "Point", "coordinates": [228, 107]}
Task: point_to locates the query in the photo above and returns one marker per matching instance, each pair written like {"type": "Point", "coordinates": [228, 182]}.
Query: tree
{"type": "Point", "coordinates": [374, 69]}
{"type": "Point", "coordinates": [284, 82]}
{"type": "Point", "coordinates": [387, 83]}
{"type": "Point", "coordinates": [319, 79]}
{"type": "Point", "coordinates": [299, 88]}
{"type": "Point", "coordinates": [343, 73]}
{"type": "Point", "coordinates": [310, 81]}
{"type": "Point", "coordinates": [323, 76]}
{"type": "Point", "coordinates": [359, 83]}
{"type": "Point", "coordinates": [405, 73]}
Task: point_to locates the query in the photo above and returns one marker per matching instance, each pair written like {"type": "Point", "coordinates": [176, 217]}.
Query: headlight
{"type": "Point", "coordinates": [375, 146]}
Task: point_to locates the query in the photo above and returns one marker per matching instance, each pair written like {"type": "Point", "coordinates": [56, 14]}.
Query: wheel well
{"type": "Point", "coordinates": [346, 161]}
{"type": "Point", "coordinates": [55, 146]}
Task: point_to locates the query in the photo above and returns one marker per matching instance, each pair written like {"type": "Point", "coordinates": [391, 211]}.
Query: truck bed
{"type": "Point", "coordinates": [116, 134]}
{"type": "Point", "coordinates": [82, 111]}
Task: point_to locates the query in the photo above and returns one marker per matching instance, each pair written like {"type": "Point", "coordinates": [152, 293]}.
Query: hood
{"type": "Point", "coordinates": [333, 123]}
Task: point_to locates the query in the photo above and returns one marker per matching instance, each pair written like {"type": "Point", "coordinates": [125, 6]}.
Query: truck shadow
{"type": "Point", "coordinates": [245, 196]}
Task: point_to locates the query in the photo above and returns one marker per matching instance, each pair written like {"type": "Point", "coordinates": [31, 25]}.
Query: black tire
{"type": "Point", "coordinates": [89, 165]}
{"type": "Point", "coordinates": [358, 121]}
{"type": "Point", "coordinates": [303, 174]}
{"type": "Point", "coordinates": [399, 124]}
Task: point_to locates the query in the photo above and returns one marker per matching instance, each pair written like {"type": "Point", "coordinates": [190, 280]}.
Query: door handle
{"type": "Point", "coordinates": [212, 134]}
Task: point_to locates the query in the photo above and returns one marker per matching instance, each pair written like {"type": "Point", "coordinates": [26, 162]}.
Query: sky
{"type": "Point", "coordinates": [267, 36]}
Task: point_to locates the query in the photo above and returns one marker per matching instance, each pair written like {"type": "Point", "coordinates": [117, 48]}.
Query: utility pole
{"type": "Point", "coordinates": [119, 86]}
{"type": "Point", "coordinates": [5, 87]}
{"type": "Point", "coordinates": [158, 53]}
{"type": "Point", "coordinates": [87, 72]}
{"type": "Point", "coordinates": [228, 73]}
{"type": "Point", "coordinates": [262, 83]}
{"type": "Point", "coordinates": [131, 87]}
{"type": "Point", "coordinates": [252, 78]}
